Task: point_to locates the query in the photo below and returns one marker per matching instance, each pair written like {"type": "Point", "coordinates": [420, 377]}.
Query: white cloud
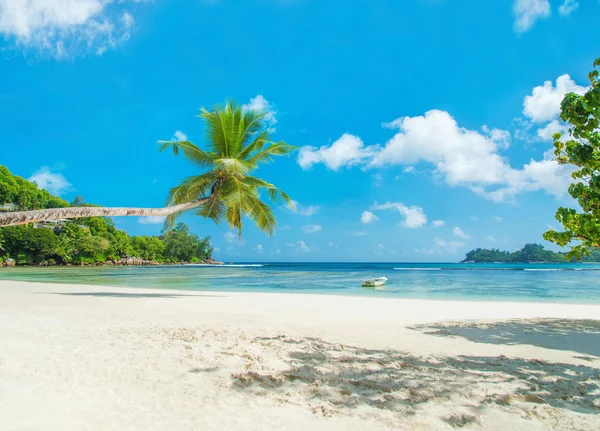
{"type": "Point", "coordinates": [460, 233]}
{"type": "Point", "coordinates": [262, 105]}
{"type": "Point", "coordinates": [359, 233]}
{"type": "Point", "coordinates": [231, 237]}
{"type": "Point", "coordinates": [568, 7]}
{"type": "Point", "coordinates": [545, 133]}
{"type": "Point", "coordinates": [55, 183]}
{"type": "Point", "coordinates": [414, 215]}
{"type": "Point", "coordinates": [409, 169]}
{"type": "Point", "coordinates": [441, 246]}
{"type": "Point", "coordinates": [527, 12]}
{"type": "Point", "coordinates": [151, 220]}
{"type": "Point", "coordinates": [260, 249]}
{"type": "Point", "coordinates": [348, 150]}
{"type": "Point", "coordinates": [461, 157]}
{"type": "Point", "coordinates": [179, 136]}
{"type": "Point", "coordinates": [305, 211]}
{"type": "Point", "coordinates": [544, 103]}
{"type": "Point", "coordinates": [438, 223]}
{"type": "Point", "coordinates": [65, 28]}
{"type": "Point", "coordinates": [474, 218]}
{"type": "Point", "coordinates": [490, 238]}
{"type": "Point", "coordinates": [498, 219]}
{"type": "Point", "coordinates": [298, 246]}
{"type": "Point", "coordinates": [368, 217]}
{"type": "Point", "coordinates": [311, 228]}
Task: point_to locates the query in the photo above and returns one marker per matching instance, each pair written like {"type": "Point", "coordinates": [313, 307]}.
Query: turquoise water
{"type": "Point", "coordinates": [578, 283]}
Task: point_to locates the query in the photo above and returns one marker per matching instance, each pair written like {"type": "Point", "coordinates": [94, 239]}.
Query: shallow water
{"type": "Point", "coordinates": [577, 283]}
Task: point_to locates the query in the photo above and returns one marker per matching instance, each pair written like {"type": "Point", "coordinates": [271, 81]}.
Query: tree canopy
{"type": "Point", "coordinates": [238, 143]}
{"type": "Point", "coordinates": [580, 148]}
{"type": "Point", "coordinates": [529, 253]}
{"type": "Point", "coordinates": [88, 239]}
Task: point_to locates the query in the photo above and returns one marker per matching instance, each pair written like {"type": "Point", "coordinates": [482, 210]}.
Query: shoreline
{"type": "Point", "coordinates": [108, 358]}
{"type": "Point", "coordinates": [381, 295]}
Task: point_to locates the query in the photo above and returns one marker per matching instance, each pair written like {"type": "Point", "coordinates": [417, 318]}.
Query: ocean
{"type": "Point", "coordinates": [572, 283]}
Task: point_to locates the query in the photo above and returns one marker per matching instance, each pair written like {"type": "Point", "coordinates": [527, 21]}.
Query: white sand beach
{"type": "Point", "coordinates": [100, 358]}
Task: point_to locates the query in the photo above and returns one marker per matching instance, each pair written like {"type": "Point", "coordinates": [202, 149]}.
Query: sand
{"type": "Point", "coordinates": [103, 358]}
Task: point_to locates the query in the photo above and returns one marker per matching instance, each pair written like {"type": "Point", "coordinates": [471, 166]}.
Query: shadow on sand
{"type": "Point", "coordinates": [582, 336]}
{"type": "Point", "coordinates": [337, 377]}
{"type": "Point", "coordinates": [130, 295]}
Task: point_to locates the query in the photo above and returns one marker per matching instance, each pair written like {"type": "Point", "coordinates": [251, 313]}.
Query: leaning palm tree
{"type": "Point", "coordinates": [239, 143]}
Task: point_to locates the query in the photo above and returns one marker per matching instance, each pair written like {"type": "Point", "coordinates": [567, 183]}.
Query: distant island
{"type": "Point", "coordinates": [531, 253]}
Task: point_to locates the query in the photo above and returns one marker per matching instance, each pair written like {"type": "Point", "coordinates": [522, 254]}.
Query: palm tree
{"type": "Point", "coordinates": [238, 143]}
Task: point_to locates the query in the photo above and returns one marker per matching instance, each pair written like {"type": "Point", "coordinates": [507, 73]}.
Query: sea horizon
{"type": "Point", "coordinates": [521, 282]}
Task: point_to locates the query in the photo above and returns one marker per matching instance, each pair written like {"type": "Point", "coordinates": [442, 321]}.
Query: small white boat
{"type": "Point", "coordinates": [374, 282]}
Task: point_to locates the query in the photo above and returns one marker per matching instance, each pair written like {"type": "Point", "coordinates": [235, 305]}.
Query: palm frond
{"type": "Point", "coordinates": [261, 214]}
{"type": "Point", "coordinates": [215, 133]}
{"type": "Point", "coordinates": [252, 123]}
{"type": "Point", "coordinates": [191, 189]}
{"type": "Point", "coordinates": [234, 218]}
{"type": "Point", "coordinates": [256, 145]}
{"type": "Point", "coordinates": [213, 209]}
{"type": "Point", "coordinates": [266, 155]}
{"type": "Point", "coordinates": [275, 195]}
{"type": "Point", "coordinates": [191, 152]}
{"type": "Point", "coordinates": [234, 166]}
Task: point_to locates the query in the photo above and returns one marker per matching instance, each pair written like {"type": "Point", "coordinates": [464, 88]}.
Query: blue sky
{"type": "Point", "coordinates": [424, 125]}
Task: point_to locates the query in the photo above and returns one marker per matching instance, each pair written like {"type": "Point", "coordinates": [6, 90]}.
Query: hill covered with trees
{"type": "Point", "coordinates": [93, 240]}
{"type": "Point", "coordinates": [528, 254]}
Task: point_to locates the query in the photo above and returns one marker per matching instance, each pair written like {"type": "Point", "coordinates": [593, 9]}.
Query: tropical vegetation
{"type": "Point", "coordinates": [580, 149]}
{"type": "Point", "coordinates": [87, 240]}
{"type": "Point", "coordinates": [238, 143]}
{"type": "Point", "coordinates": [528, 254]}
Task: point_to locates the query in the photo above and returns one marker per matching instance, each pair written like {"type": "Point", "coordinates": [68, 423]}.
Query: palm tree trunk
{"type": "Point", "coordinates": [25, 217]}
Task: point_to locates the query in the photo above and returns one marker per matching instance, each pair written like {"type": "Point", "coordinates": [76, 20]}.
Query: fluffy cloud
{"type": "Point", "coordinates": [298, 246]}
{"type": "Point", "coordinates": [498, 219]}
{"type": "Point", "coordinates": [441, 246]}
{"type": "Point", "coordinates": [260, 104]}
{"type": "Point", "coordinates": [544, 103]}
{"type": "Point", "coordinates": [55, 183]}
{"type": "Point", "coordinates": [151, 220]}
{"type": "Point", "coordinates": [64, 28]}
{"type": "Point", "coordinates": [231, 237]}
{"type": "Point", "coordinates": [460, 233]}
{"type": "Point", "coordinates": [414, 217]}
{"type": "Point", "coordinates": [179, 136]}
{"type": "Point", "coordinates": [556, 126]}
{"type": "Point", "coordinates": [312, 228]}
{"type": "Point", "coordinates": [260, 249]}
{"type": "Point", "coordinates": [568, 7]}
{"type": "Point", "coordinates": [527, 12]}
{"type": "Point", "coordinates": [305, 211]}
{"type": "Point", "coordinates": [460, 156]}
{"type": "Point", "coordinates": [348, 150]}
{"type": "Point", "coordinates": [438, 223]}
{"type": "Point", "coordinates": [368, 217]}
{"type": "Point", "coordinates": [490, 238]}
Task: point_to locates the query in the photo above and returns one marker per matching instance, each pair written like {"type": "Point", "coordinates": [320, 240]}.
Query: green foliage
{"type": "Point", "coordinates": [181, 246]}
{"type": "Point", "coordinates": [239, 143]}
{"type": "Point", "coordinates": [529, 253]}
{"type": "Point", "coordinates": [28, 245]}
{"type": "Point", "coordinates": [581, 150]}
{"type": "Point", "coordinates": [25, 194]}
{"type": "Point", "coordinates": [487, 255]}
{"type": "Point", "coordinates": [87, 240]}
